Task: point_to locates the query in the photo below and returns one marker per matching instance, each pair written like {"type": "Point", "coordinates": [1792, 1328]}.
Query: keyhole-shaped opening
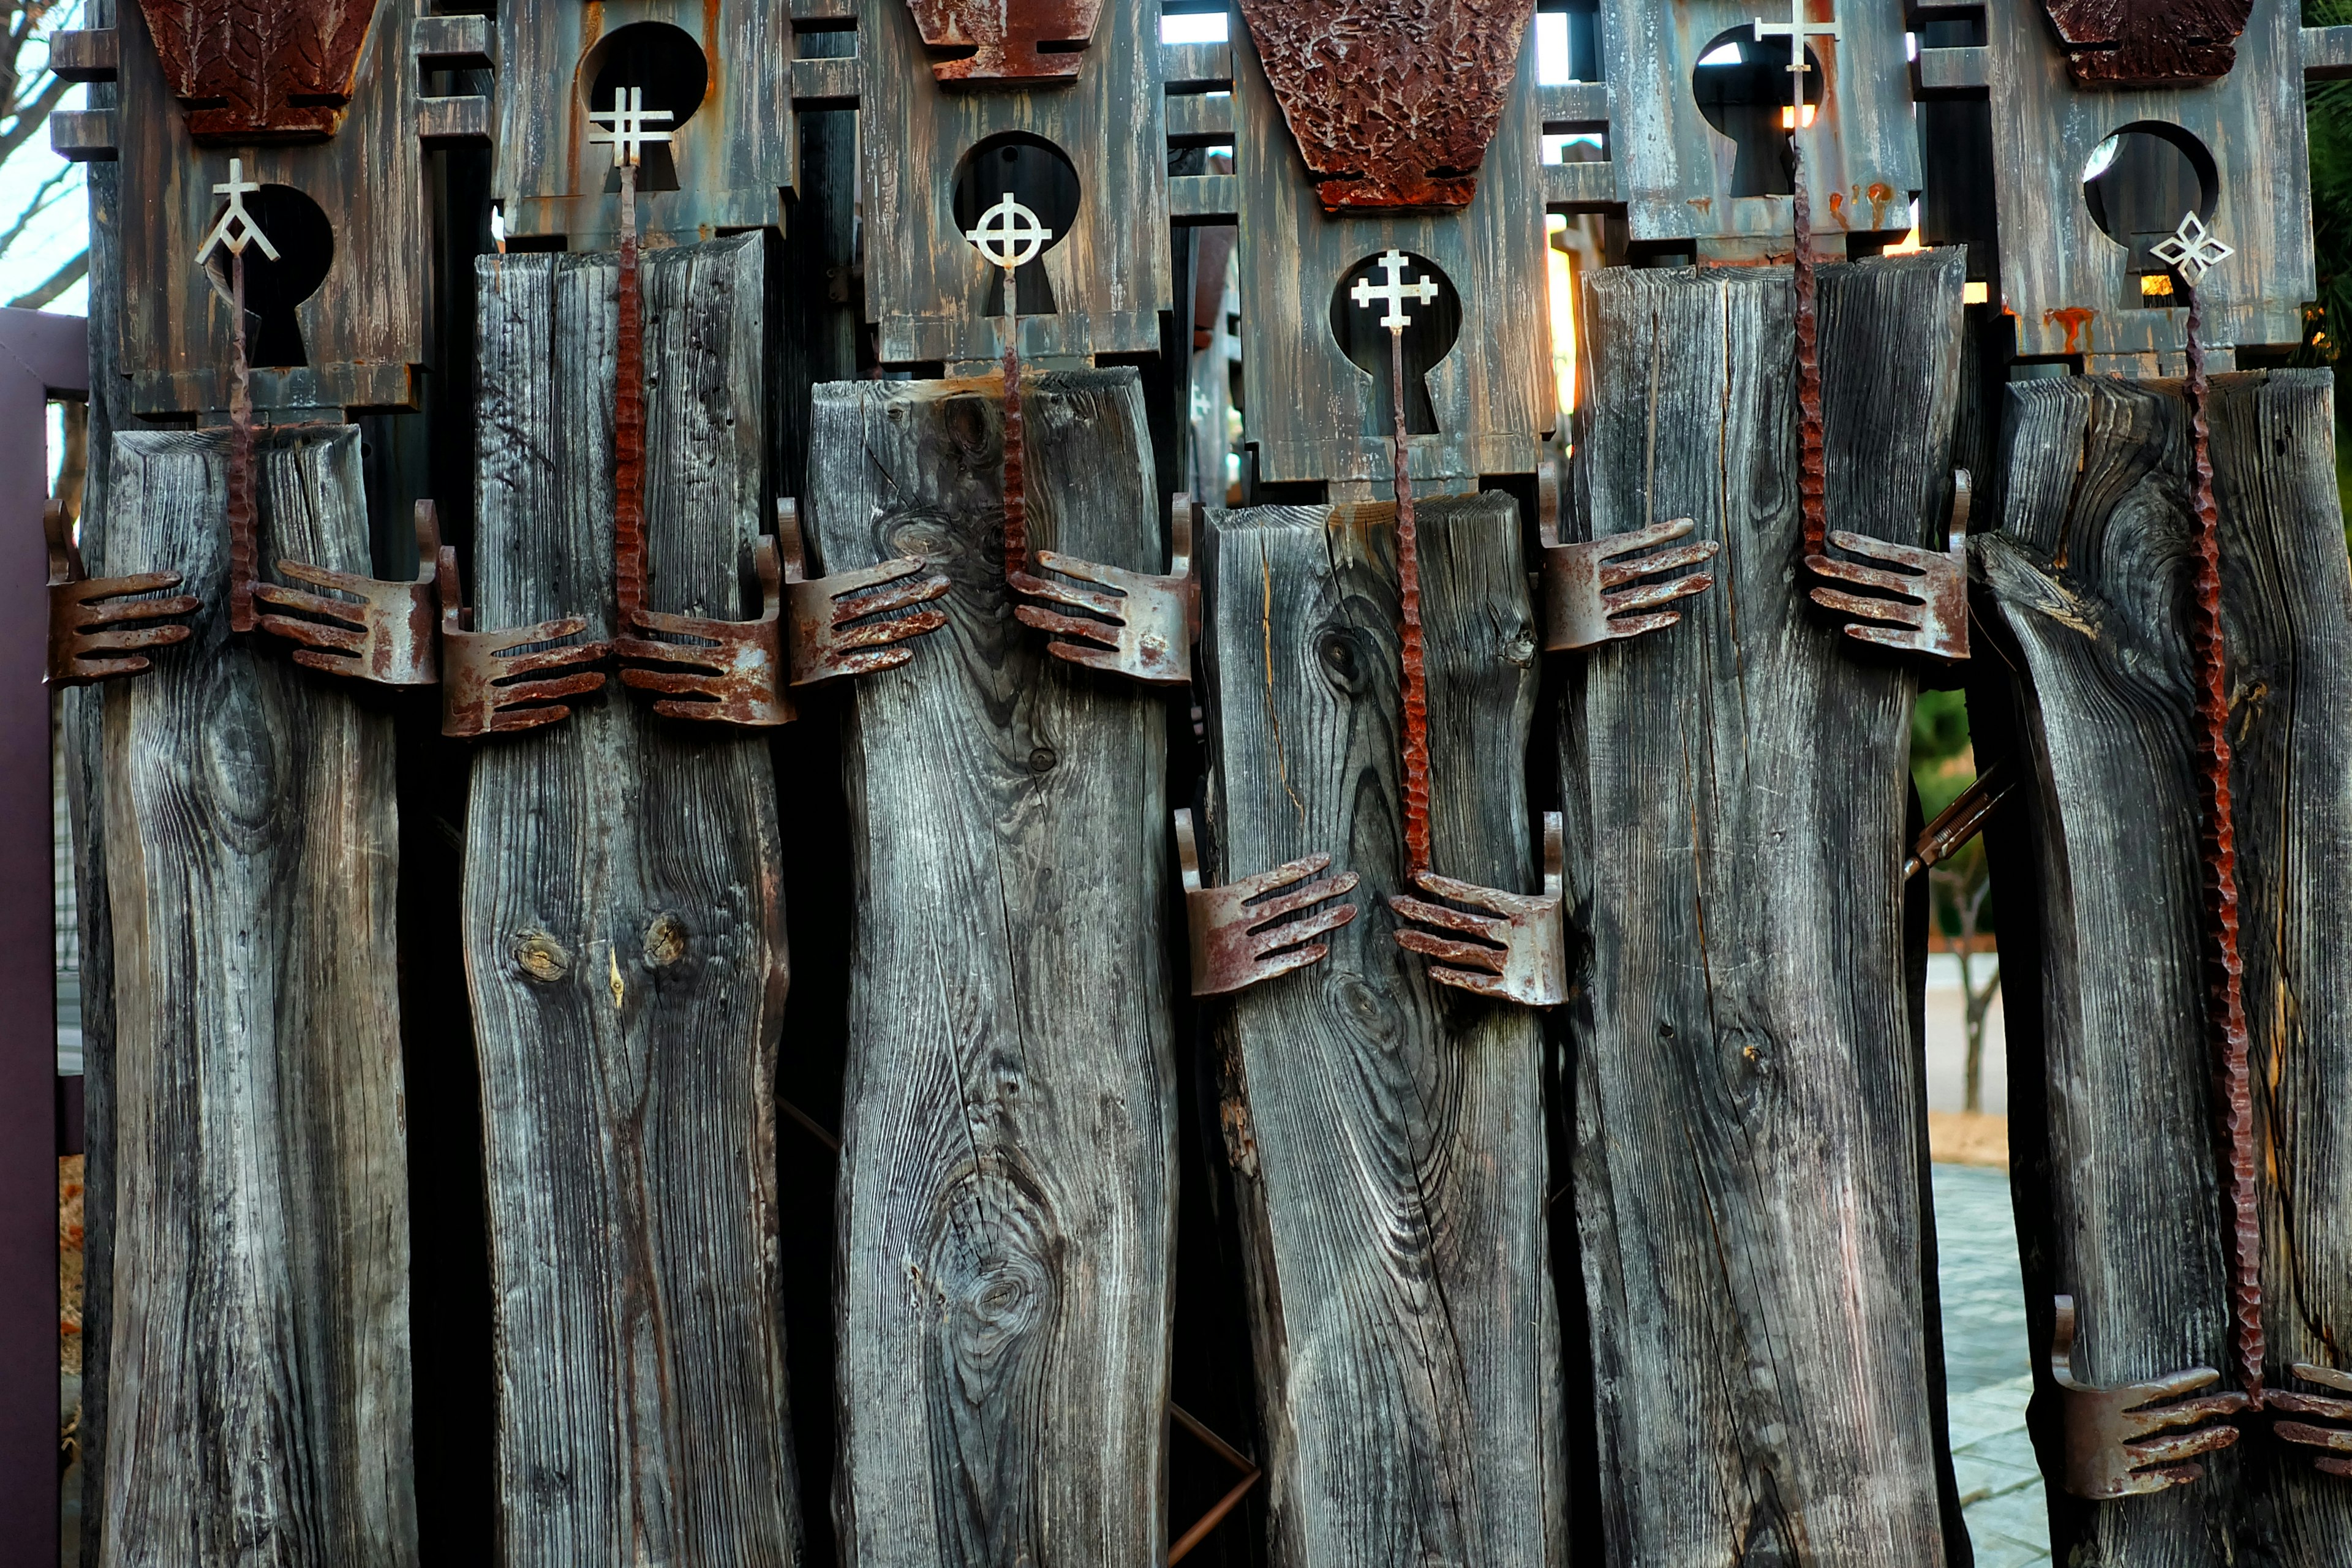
{"type": "Point", "coordinates": [1743, 88]}
{"type": "Point", "coordinates": [304, 242]}
{"type": "Point", "coordinates": [667, 66]}
{"type": "Point", "coordinates": [2138, 185]}
{"type": "Point", "coordinates": [1432, 326]}
{"type": "Point", "coordinates": [1039, 176]}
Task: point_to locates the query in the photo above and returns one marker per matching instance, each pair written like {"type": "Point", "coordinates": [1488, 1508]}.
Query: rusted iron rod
{"type": "Point", "coordinates": [1208, 1521]}
{"type": "Point", "coordinates": [629, 424]}
{"type": "Point", "coordinates": [1416, 675]}
{"type": "Point", "coordinates": [1016, 498]}
{"type": "Point", "coordinates": [1813, 485]}
{"type": "Point", "coordinates": [244, 556]}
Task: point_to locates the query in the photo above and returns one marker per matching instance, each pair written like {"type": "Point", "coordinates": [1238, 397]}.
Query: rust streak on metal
{"type": "Point", "coordinates": [2149, 43]}
{"type": "Point", "coordinates": [629, 424]}
{"type": "Point", "coordinates": [2225, 968]}
{"type": "Point", "coordinates": [1392, 102]}
{"type": "Point", "coordinates": [251, 70]}
{"type": "Point", "coordinates": [977, 41]}
{"type": "Point", "coordinates": [2075, 319]}
{"type": "Point", "coordinates": [1416, 674]}
{"type": "Point", "coordinates": [243, 556]}
{"type": "Point", "coordinates": [1813, 485]}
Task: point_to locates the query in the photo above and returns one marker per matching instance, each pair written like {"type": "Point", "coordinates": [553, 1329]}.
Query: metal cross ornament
{"type": "Point", "coordinates": [2194, 249]}
{"type": "Point", "coordinates": [1395, 291]}
{"type": "Point", "coordinates": [629, 120]}
{"type": "Point", "coordinates": [1008, 235]}
{"type": "Point", "coordinates": [1797, 29]}
{"type": "Point", "coordinates": [237, 228]}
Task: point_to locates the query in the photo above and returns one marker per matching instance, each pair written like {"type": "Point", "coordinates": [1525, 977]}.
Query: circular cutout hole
{"type": "Point", "coordinates": [1037, 175]}
{"type": "Point", "coordinates": [1433, 325]}
{"type": "Point", "coordinates": [2139, 183]}
{"type": "Point", "coordinates": [1742, 85]}
{"type": "Point", "coordinates": [298, 231]}
{"type": "Point", "coordinates": [668, 67]}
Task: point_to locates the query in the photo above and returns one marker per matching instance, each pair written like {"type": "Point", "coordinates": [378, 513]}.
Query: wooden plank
{"type": "Point", "coordinates": [1003, 1281]}
{"type": "Point", "coordinates": [1387, 1136]}
{"type": "Point", "coordinates": [625, 950]}
{"type": "Point", "coordinates": [1750, 1163]}
{"type": "Point", "coordinates": [259, 1380]}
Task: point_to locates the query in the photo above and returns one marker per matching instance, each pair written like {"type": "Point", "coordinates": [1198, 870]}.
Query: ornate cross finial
{"type": "Point", "coordinates": [237, 228]}
{"type": "Point", "coordinates": [1394, 293]}
{"type": "Point", "coordinates": [2194, 249]}
{"type": "Point", "coordinates": [1797, 29]}
{"type": "Point", "coordinates": [630, 120]}
{"type": "Point", "coordinates": [1008, 235]}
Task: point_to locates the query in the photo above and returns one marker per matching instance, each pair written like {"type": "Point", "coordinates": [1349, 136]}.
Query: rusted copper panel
{"type": "Point", "coordinates": [90, 639]}
{"type": "Point", "coordinates": [1392, 102]}
{"type": "Point", "coordinates": [244, 559]}
{"type": "Point", "coordinates": [629, 424]}
{"type": "Point", "coordinates": [1812, 483]}
{"type": "Point", "coordinates": [2139, 1438]}
{"type": "Point", "coordinates": [1024, 41]}
{"type": "Point", "coordinates": [1515, 949]}
{"type": "Point", "coordinates": [383, 633]}
{"type": "Point", "coordinates": [1416, 670]}
{"type": "Point", "coordinates": [259, 71]}
{"type": "Point", "coordinates": [2149, 43]}
{"type": "Point", "coordinates": [2225, 969]}
{"type": "Point", "coordinates": [1244, 932]}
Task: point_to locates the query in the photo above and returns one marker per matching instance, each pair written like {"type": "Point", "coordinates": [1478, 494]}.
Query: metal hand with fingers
{"type": "Point", "coordinates": [1515, 949]}
{"type": "Point", "coordinates": [1142, 627]}
{"type": "Point", "coordinates": [383, 632]}
{"type": "Point", "coordinates": [737, 672]}
{"type": "Point", "coordinates": [1243, 932]}
{"type": "Point", "coordinates": [1587, 593]}
{"type": "Point", "coordinates": [2333, 1442]}
{"type": "Point", "coordinates": [95, 626]}
{"type": "Point", "coordinates": [2113, 1449]}
{"type": "Point", "coordinates": [489, 687]}
{"type": "Point", "coordinates": [1929, 611]}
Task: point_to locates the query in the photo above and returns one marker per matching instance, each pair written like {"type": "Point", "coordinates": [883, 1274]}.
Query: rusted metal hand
{"type": "Point", "coordinates": [1143, 627]}
{"type": "Point", "coordinates": [383, 634]}
{"type": "Point", "coordinates": [487, 687]}
{"type": "Point", "coordinates": [2335, 1443]}
{"type": "Point", "coordinates": [1242, 933]}
{"type": "Point", "coordinates": [1587, 600]}
{"type": "Point", "coordinates": [2112, 1446]}
{"type": "Point", "coordinates": [1515, 952]}
{"type": "Point", "coordinates": [91, 619]}
{"type": "Point", "coordinates": [1929, 611]}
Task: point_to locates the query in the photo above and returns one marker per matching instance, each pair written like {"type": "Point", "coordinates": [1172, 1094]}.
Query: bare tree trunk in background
{"type": "Point", "coordinates": [1968, 892]}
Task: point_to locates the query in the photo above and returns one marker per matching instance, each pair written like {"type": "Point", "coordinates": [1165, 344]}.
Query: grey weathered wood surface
{"type": "Point", "coordinates": [1493, 394]}
{"type": "Point", "coordinates": [625, 950]}
{"type": "Point", "coordinates": [2054, 258]}
{"type": "Point", "coordinates": [926, 288]}
{"type": "Point", "coordinates": [2286, 595]}
{"type": "Point", "coordinates": [1003, 1283]}
{"type": "Point", "coordinates": [1387, 1135]}
{"type": "Point", "coordinates": [1748, 1161]}
{"type": "Point", "coordinates": [2091, 570]}
{"type": "Point", "coordinates": [258, 1376]}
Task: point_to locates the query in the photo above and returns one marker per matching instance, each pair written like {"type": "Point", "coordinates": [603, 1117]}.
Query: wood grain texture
{"type": "Point", "coordinates": [625, 950]}
{"type": "Point", "coordinates": [1493, 395]}
{"type": "Point", "coordinates": [256, 70]}
{"type": "Point", "coordinates": [2091, 572]}
{"type": "Point", "coordinates": [1387, 1136]}
{"type": "Point", "coordinates": [1003, 1276]}
{"type": "Point", "coordinates": [258, 1376]}
{"type": "Point", "coordinates": [1748, 1161]}
{"type": "Point", "coordinates": [2063, 280]}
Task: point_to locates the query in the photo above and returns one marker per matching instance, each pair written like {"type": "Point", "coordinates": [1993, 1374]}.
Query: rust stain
{"type": "Point", "coordinates": [1837, 205]}
{"type": "Point", "coordinates": [977, 41]}
{"type": "Point", "coordinates": [2149, 43]}
{"type": "Point", "coordinates": [260, 70]}
{"type": "Point", "coordinates": [1392, 102]}
{"type": "Point", "coordinates": [1703, 204]}
{"type": "Point", "coordinates": [2075, 320]}
{"type": "Point", "coordinates": [1880, 198]}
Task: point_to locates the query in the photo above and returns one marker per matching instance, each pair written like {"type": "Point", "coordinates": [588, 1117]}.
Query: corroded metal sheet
{"type": "Point", "coordinates": [260, 70]}
{"type": "Point", "coordinates": [2149, 43]}
{"type": "Point", "coordinates": [1005, 40]}
{"type": "Point", "coordinates": [1393, 101]}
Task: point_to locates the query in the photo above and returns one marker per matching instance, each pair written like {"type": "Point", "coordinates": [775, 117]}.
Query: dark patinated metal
{"type": "Point", "coordinates": [2112, 1447]}
{"type": "Point", "coordinates": [2149, 43]}
{"type": "Point", "coordinates": [1182, 1547]}
{"type": "Point", "coordinates": [1515, 950]}
{"type": "Point", "coordinates": [1142, 626]}
{"type": "Point", "coordinates": [260, 70]}
{"type": "Point", "coordinates": [1243, 932]}
{"type": "Point", "coordinates": [2333, 1442]}
{"type": "Point", "coordinates": [1392, 102]}
{"type": "Point", "coordinates": [95, 630]}
{"type": "Point", "coordinates": [1022, 41]}
{"type": "Point", "coordinates": [1924, 602]}
{"type": "Point", "coordinates": [489, 685]}
{"type": "Point", "coordinates": [383, 634]}
{"type": "Point", "coordinates": [1962, 820]}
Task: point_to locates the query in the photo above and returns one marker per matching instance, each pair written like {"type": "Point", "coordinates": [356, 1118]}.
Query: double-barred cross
{"type": "Point", "coordinates": [1395, 291]}
{"type": "Point", "coordinates": [1797, 29]}
{"type": "Point", "coordinates": [629, 119]}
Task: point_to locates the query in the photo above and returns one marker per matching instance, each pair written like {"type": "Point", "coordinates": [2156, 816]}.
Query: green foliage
{"type": "Point", "coordinates": [1943, 764]}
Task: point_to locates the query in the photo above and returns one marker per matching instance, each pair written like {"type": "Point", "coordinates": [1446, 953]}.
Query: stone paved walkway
{"type": "Point", "coordinates": [1986, 1368]}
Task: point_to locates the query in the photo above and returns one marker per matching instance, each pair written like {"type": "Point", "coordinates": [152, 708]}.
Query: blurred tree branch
{"type": "Point", "coordinates": [29, 91]}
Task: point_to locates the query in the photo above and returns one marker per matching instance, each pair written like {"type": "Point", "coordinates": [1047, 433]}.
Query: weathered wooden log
{"type": "Point", "coordinates": [625, 950]}
{"type": "Point", "coordinates": [1387, 1134]}
{"type": "Point", "coordinates": [258, 1376]}
{"type": "Point", "coordinates": [1749, 1165]}
{"type": "Point", "coordinates": [1007, 1225]}
{"type": "Point", "coordinates": [2122, 1208]}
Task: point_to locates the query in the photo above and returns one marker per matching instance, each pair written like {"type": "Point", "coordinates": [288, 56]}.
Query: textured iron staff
{"type": "Point", "coordinates": [630, 133]}
{"type": "Point", "coordinates": [1812, 488]}
{"type": "Point", "coordinates": [235, 230]}
{"type": "Point", "coordinates": [1009, 235]}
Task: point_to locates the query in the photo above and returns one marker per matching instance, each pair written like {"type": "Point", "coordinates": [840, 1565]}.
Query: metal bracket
{"type": "Point", "coordinates": [2111, 1447]}
{"type": "Point", "coordinates": [1928, 610]}
{"type": "Point", "coordinates": [85, 629]}
{"type": "Point", "coordinates": [2336, 1442]}
{"type": "Point", "coordinates": [1240, 933]}
{"type": "Point", "coordinates": [483, 687]}
{"type": "Point", "coordinates": [1517, 949]}
{"type": "Point", "coordinates": [384, 638]}
{"type": "Point", "coordinates": [823, 613]}
{"type": "Point", "coordinates": [1582, 588]}
{"type": "Point", "coordinates": [1962, 820]}
{"type": "Point", "coordinates": [1143, 627]}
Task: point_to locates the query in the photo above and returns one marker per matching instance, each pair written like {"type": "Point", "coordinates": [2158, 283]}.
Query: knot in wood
{"type": "Point", "coordinates": [665, 941]}
{"type": "Point", "coordinates": [541, 957]}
